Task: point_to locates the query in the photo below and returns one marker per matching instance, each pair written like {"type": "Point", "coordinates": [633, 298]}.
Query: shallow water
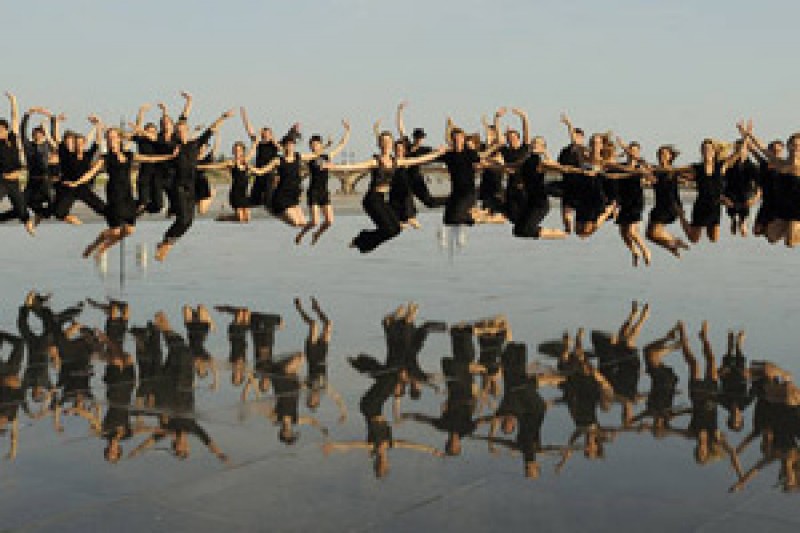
{"type": "Point", "coordinates": [60, 480]}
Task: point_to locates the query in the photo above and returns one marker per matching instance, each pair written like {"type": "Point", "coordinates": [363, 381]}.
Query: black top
{"type": "Point", "coordinates": [665, 190]}
{"type": "Point", "coordinates": [289, 173]}
{"type": "Point", "coordinates": [72, 168]}
{"type": "Point", "coordinates": [319, 175]}
{"type": "Point", "coordinates": [514, 155]}
{"type": "Point", "coordinates": [533, 181]}
{"type": "Point", "coordinates": [461, 166]}
{"type": "Point", "coordinates": [9, 154]}
{"type": "Point", "coordinates": [381, 176]}
{"type": "Point", "coordinates": [415, 171]}
{"type": "Point", "coordinates": [266, 152]}
{"type": "Point", "coordinates": [186, 160]}
{"type": "Point", "coordinates": [119, 175]}
{"type": "Point", "coordinates": [709, 186]}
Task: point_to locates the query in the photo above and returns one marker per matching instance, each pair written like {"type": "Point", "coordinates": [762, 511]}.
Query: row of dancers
{"type": "Point", "coordinates": [492, 392]}
{"type": "Point", "coordinates": [601, 181]}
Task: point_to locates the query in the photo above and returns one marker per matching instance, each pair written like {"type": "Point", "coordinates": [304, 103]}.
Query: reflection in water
{"type": "Point", "coordinates": [487, 390]}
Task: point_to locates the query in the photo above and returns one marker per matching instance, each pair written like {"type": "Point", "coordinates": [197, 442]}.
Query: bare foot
{"type": "Point", "coordinates": [647, 256]}
{"type": "Point", "coordinates": [30, 227]}
{"type": "Point", "coordinates": [162, 249]}
{"type": "Point", "coordinates": [414, 223]}
{"type": "Point", "coordinates": [72, 219]}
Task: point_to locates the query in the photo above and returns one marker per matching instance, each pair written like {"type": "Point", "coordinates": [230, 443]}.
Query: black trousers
{"type": "Point", "coordinates": [386, 222]}
{"type": "Point", "coordinates": [66, 197]}
{"type": "Point", "coordinates": [19, 208]}
{"type": "Point", "coordinates": [421, 191]}
{"type": "Point", "coordinates": [150, 185]}
{"type": "Point", "coordinates": [184, 212]}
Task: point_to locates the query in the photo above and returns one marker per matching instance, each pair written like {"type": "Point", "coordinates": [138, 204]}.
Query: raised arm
{"type": "Point", "coordinates": [56, 121]}
{"type": "Point", "coordinates": [140, 116]}
{"type": "Point", "coordinates": [401, 126]}
{"type": "Point", "coordinates": [746, 129]}
{"type": "Point", "coordinates": [142, 158]}
{"type": "Point", "coordinates": [497, 128]}
{"type": "Point", "coordinates": [526, 125]}
{"type": "Point", "coordinates": [343, 142]}
{"type": "Point", "coordinates": [376, 129]}
{"type": "Point", "coordinates": [449, 126]}
{"type": "Point", "coordinates": [12, 100]}
{"type": "Point", "coordinates": [187, 106]}
{"type": "Point", "coordinates": [248, 127]}
{"type": "Point", "coordinates": [573, 138]}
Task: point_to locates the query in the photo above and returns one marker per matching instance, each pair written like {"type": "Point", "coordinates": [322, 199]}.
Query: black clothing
{"type": "Point", "coordinates": [667, 201]}
{"type": "Point", "coordinates": [120, 203]}
{"type": "Point", "coordinates": [263, 186]}
{"type": "Point", "coordinates": [317, 193]}
{"type": "Point", "coordinates": [287, 193]}
{"type": "Point", "coordinates": [461, 166]}
{"type": "Point", "coordinates": [706, 211]}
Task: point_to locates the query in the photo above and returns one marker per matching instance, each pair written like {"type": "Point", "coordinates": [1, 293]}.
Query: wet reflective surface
{"type": "Point", "coordinates": [487, 383]}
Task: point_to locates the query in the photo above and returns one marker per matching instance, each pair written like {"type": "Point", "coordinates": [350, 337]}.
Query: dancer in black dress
{"type": "Point", "coordinates": [740, 192]}
{"type": "Point", "coordinates": [709, 176]}
{"type": "Point", "coordinates": [11, 166]}
{"type": "Point", "coordinates": [572, 156]}
{"type": "Point", "coordinates": [120, 203]}
{"type": "Point", "coordinates": [630, 196]}
{"type": "Point", "coordinates": [593, 208]}
{"type": "Point", "coordinates": [317, 195]}
{"type": "Point", "coordinates": [667, 205]}
{"type": "Point", "coordinates": [375, 202]}
{"type": "Point", "coordinates": [185, 163]}
{"type": "Point", "coordinates": [768, 184]}
{"type": "Point", "coordinates": [286, 198]}
{"type": "Point", "coordinates": [264, 184]}
{"type": "Point", "coordinates": [239, 167]}
{"type": "Point", "coordinates": [787, 223]}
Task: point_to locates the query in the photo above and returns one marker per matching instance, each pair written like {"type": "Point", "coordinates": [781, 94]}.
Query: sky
{"type": "Point", "coordinates": [654, 71]}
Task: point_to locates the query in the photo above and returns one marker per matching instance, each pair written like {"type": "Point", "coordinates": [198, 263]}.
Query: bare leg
{"type": "Point", "coordinates": [566, 218]}
{"type": "Point", "coordinates": [708, 353]}
{"type": "Point", "coordinates": [308, 227]}
{"type": "Point", "coordinates": [550, 234]}
{"type": "Point", "coordinates": [327, 212]}
{"type": "Point", "coordinates": [624, 232]}
{"type": "Point", "coordinates": [688, 354]}
{"type": "Point", "coordinates": [792, 233]}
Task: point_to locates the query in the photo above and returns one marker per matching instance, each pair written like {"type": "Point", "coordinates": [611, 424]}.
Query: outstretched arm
{"type": "Point", "coordinates": [367, 164]}
{"type": "Point", "coordinates": [343, 142]}
{"type": "Point", "coordinates": [269, 167]}
{"type": "Point", "coordinates": [401, 127]}
{"type": "Point", "coordinates": [421, 160]}
{"type": "Point", "coordinates": [98, 165]}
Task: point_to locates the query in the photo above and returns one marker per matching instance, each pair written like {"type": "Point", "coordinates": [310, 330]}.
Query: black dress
{"type": "Point", "coordinates": [536, 205]}
{"type": "Point", "coordinates": [237, 196]}
{"type": "Point", "coordinates": [287, 193]}
{"type": "Point", "coordinates": [120, 203]}
{"type": "Point", "coordinates": [707, 207]}
{"type": "Point", "coordinates": [630, 197]}
{"type": "Point", "coordinates": [317, 193]}
{"type": "Point", "coordinates": [590, 198]}
{"type": "Point", "coordinates": [667, 201]}
{"type": "Point", "coordinates": [461, 166]}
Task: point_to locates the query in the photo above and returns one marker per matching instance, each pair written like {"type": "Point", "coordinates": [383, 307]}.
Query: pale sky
{"type": "Point", "coordinates": [655, 71]}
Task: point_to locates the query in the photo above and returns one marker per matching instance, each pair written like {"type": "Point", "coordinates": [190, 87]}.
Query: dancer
{"type": "Point", "coordinates": [121, 206]}
{"type": "Point", "coordinates": [264, 184]}
{"type": "Point", "coordinates": [768, 184]}
{"type": "Point", "coordinates": [787, 223]}
{"type": "Point", "coordinates": [382, 168]}
{"type": "Point", "coordinates": [203, 191]}
{"type": "Point", "coordinates": [416, 179]}
{"type": "Point", "coordinates": [740, 192]}
{"type": "Point", "coordinates": [39, 193]}
{"type": "Point", "coordinates": [185, 162]}
{"type": "Point", "coordinates": [572, 156]}
{"type": "Point", "coordinates": [630, 196]}
{"type": "Point", "coordinates": [75, 160]}
{"type": "Point", "coordinates": [317, 194]}
{"type": "Point", "coordinates": [239, 167]}
{"type": "Point", "coordinates": [667, 205]}
{"type": "Point", "coordinates": [709, 175]}
{"type": "Point", "coordinates": [11, 165]}
{"type": "Point", "coordinates": [286, 197]}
